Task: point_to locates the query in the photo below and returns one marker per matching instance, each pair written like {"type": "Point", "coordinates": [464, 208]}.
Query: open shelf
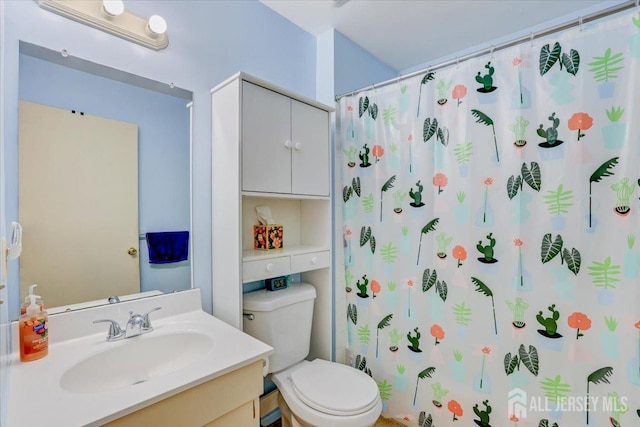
{"type": "Point", "coordinates": [255, 255]}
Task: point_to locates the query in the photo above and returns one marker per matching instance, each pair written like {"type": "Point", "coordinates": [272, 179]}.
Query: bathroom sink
{"type": "Point", "coordinates": [134, 361]}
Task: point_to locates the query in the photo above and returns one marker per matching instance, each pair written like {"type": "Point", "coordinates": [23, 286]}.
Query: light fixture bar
{"type": "Point", "coordinates": [128, 26]}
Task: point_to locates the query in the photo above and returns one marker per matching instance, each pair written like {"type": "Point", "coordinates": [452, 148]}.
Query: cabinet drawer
{"type": "Point", "coordinates": [310, 261]}
{"type": "Point", "coordinates": [265, 268]}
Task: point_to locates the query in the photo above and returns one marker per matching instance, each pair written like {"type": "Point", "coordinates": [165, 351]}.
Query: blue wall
{"type": "Point", "coordinates": [356, 68]}
{"type": "Point", "coordinates": [163, 151]}
{"type": "Point", "coordinates": [209, 41]}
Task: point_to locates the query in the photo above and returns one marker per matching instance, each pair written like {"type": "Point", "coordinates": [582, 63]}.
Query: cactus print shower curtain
{"type": "Point", "coordinates": [491, 218]}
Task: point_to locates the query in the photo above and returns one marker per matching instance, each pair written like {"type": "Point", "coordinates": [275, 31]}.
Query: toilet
{"type": "Point", "coordinates": [315, 393]}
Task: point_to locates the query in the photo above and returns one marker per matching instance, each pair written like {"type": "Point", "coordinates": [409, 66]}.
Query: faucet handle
{"type": "Point", "coordinates": [115, 331]}
{"type": "Point", "coordinates": [146, 322]}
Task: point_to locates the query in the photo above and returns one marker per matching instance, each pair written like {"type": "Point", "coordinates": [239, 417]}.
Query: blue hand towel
{"type": "Point", "coordinates": [168, 246]}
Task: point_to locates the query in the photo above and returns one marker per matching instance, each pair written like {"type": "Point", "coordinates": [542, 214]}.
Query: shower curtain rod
{"type": "Point", "coordinates": [575, 22]}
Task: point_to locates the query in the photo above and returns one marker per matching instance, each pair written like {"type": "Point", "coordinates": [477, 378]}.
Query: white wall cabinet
{"type": "Point", "coordinates": [271, 147]}
{"type": "Point", "coordinates": [285, 144]}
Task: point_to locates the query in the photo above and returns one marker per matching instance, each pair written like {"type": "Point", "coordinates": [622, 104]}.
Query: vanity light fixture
{"type": "Point", "coordinates": [157, 26]}
{"type": "Point", "coordinates": [112, 7]}
{"type": "Point", "coordinates": [112, 17]}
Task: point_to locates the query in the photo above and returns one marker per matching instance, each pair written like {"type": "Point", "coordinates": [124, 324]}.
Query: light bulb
{"type": "Point", "coordinates": [157, 24]}
{"type": "Point", "coordinates": [113, 7]}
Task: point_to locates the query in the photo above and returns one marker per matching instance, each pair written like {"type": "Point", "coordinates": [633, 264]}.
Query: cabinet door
{"type": "Point", "coordinates": [266, 140]}
{"type": "Point", "coordinates": [244, 416]}
{"type": "Point", "coordinates": [310, 155]}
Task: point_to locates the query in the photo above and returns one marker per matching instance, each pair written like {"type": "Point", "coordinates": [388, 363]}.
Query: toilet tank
{"type": "Point", "coordinates": [283, 320]}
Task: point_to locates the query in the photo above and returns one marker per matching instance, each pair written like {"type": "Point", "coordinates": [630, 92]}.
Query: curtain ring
{"type": "Point", "coordinates": [491, 52]}
{"type": "Point", "coordinates": [531, 39]}
{"type": "Point", "coordinates": [580, 23]}
{"type": "Point", "coordinates": [457, 62]}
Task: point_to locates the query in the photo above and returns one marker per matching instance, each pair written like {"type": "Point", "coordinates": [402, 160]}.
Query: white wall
{"type": "Point", "coordinates": [5, 337]}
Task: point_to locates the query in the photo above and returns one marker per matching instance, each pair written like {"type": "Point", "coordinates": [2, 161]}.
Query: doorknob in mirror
{"type": "Point", "coordinates": [132, 251]}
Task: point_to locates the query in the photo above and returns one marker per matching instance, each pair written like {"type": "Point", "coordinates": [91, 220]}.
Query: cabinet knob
{"type": "Point", "coordinates": [270, 267]}
{"type": "Point", "coordinates": [287, 144]}
{"type": "Point", "coordinates": [314, 260]}
{"type": "Point", "coordinates": [297, 146]}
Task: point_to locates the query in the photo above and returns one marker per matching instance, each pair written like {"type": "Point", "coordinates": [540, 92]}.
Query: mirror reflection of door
{"type": "Point", "coordinates": [78, 177]}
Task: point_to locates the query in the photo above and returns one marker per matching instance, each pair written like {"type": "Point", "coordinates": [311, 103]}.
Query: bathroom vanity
{"type": "Point", "coordinates": [190, 370]}
{"type": "Point", "coordinates": [229, 400]}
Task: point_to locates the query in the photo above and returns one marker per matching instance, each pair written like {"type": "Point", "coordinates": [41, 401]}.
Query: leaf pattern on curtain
{"type": "Point", "coordinates": [490, 220]}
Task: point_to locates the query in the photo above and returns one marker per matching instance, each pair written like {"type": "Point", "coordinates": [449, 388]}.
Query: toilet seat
{"type": "Point", "coordinates": [334, 389]}
{"type": "Point", "coordinates": [305, 415]}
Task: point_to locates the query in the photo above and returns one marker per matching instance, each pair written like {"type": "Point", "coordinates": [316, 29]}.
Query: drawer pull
{"type": "Point", "coordinates": [287, 144]}
{"type": "Point", "coordinates": [314, 260]}
{"type": "Point", "coordinates": [270, 267]}
{"type": "Point", "coordinates": [297, 146]}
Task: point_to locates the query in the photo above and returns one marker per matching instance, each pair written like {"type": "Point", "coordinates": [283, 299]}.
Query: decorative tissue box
{"type": "Point", "coordinates": [268, 237]}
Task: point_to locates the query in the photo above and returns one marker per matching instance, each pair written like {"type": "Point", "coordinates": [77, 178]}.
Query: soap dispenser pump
{"type": "Point", "coordinates": [27, 300]}
{"type": "Point", "coordinates": [34, 333]}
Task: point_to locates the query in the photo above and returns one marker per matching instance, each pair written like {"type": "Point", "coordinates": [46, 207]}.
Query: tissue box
{"type": "Point", "coordinates": [268, 237]}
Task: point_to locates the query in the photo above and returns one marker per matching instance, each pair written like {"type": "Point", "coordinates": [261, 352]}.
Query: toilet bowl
{"type": "Point", "coordinates": [327, 394]}
{"type": "Point", "coordinates": [312, 394]}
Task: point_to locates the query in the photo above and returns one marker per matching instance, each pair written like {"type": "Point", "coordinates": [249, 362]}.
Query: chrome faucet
{"type": "Point", "coordinates": [146, 322]}
{"type": "Point", "coordinates": [137, 324]}
{"type": "Point", "coordinates": [115, 331]}
{"type": "Point", "coordinates": [134, 325]}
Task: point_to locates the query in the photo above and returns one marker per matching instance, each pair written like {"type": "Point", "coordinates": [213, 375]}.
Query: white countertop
{"type": "Point", "coordinates": [35, 395]}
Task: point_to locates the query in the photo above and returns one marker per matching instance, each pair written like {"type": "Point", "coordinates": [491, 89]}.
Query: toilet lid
{"type": "Point", "coordinates": [334, 389]}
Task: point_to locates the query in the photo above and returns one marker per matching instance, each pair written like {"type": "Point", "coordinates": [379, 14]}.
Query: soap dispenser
{"type": "Point", "coordinates": [34, 333]}
{"type": "Point", "coordinates": [27, 300]}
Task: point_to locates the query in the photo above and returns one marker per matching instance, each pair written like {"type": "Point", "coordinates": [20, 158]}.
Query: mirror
{"type": "Point", "coordinates": [162, 114]}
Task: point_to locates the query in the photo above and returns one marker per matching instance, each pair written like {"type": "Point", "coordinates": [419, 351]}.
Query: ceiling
{"type": "Point", "coordinates": [407, 33]}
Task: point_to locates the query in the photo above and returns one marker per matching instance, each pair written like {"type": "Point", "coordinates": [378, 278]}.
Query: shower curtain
{"type": "Point", "coordinates": [491, 215]}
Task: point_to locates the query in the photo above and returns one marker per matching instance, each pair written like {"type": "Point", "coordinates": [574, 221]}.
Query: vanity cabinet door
{"type": "Point", "coordinates": [266, 140]}
{"type": "Point", "coordinates": [244, 416]}
{"type": "Point", "coordinates": [234, 396]}
{"type": "Point", "coordinates": [310, 150]}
